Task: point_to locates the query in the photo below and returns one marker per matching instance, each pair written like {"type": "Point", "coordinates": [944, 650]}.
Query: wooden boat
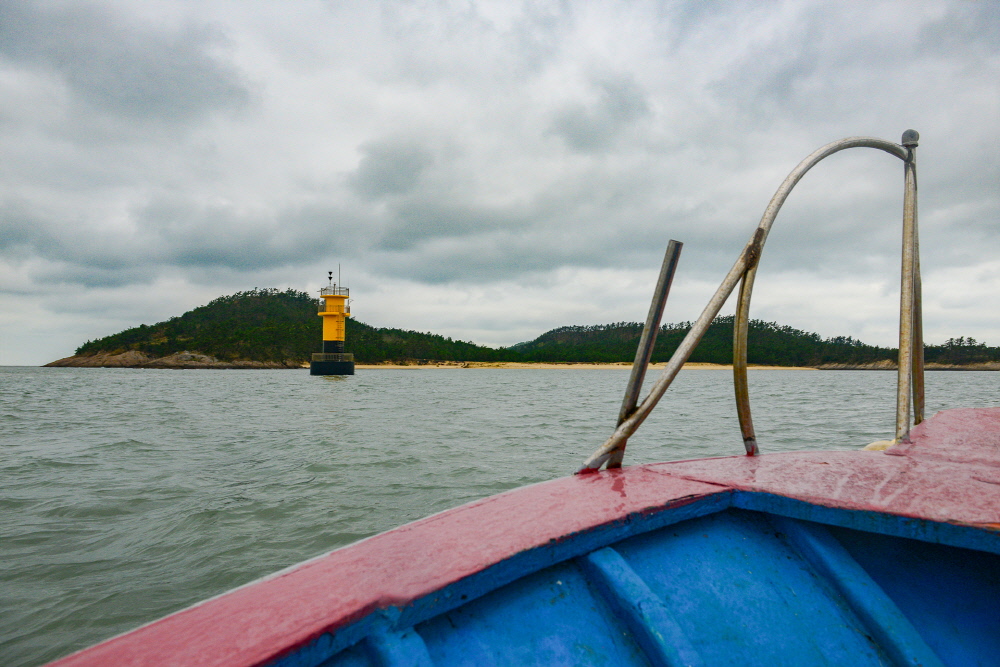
{"type": "Point", "coordinates": [842, 557]}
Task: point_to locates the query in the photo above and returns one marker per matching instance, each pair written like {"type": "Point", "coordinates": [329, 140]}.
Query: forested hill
{"type": "Point", "coordinates": [259, 324]}
{"type": "Point", "coordinates": [272, 326]}
{"type": "Point", "coordinates": [267, 325]}
{"type": "Point", "coordinates": [767, 343]}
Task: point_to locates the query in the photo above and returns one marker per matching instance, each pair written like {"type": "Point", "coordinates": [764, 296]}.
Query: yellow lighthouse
{"type": "Point", "coordinates": [334, 309]}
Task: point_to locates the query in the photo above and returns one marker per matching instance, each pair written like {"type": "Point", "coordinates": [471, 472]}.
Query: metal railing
{"type": "Point", "coordinates": [910, 378]}
{"type": "Point", "coordinates": [335, 290]}
{"type": "Point", "coordinates": [333, 356]}
{"type": "Point", "coordinates": [335, 308]}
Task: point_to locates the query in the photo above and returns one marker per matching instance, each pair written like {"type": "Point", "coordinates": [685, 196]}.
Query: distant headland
{"type": "Point", "coordinates": [268, 328]}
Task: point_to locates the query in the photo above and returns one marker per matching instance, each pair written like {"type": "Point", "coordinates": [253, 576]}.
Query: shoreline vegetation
{"type": "Point", "coordinates": [190, 361]}
{"type": "Point", "coordinates": [266, 328]}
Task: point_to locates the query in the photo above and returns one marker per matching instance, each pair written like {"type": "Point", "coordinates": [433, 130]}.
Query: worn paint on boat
{"type": "Point", "coordinates": [804, 558]}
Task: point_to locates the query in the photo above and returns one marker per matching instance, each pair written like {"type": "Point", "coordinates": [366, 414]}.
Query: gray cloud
{"type": "Point", "coordinates": [174, 233]}
{"type": "Point", "coordinates": [90, 276]}
{"type": "Point", "coordinates": [20, 228]}
{"type": "Point", "coordinates": [389, 168]}
{"type": "Point", "coordinates": [121, 67]}
{"type": "Point", "coordinates": [591, 127]}
{"type": "Point", "coordinates": [221, 236]}
{"type": "Point", "coordinates": [417, 222]}
{"type": "Point", "coordinates": [962, 28]}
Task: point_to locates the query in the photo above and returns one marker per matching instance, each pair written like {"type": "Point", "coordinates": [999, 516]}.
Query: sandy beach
{"type": "Point", "coordinates": [560, 365]}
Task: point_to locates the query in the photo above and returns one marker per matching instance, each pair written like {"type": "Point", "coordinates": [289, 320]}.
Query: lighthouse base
{"type": "Point", "coordinates": [331, 364]}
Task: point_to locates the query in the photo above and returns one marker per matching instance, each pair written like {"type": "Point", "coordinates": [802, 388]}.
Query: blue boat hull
{"type": "Point", "coordinates": [735, 587]}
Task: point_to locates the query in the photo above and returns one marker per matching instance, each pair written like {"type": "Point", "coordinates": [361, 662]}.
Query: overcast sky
{"type": "Point", "coordinates": [489, 170]}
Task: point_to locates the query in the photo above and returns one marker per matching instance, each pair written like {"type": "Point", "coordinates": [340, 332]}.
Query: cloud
{"type": "Point", "coordinates": [480, 149]}
{"type": "Point", "coordinates": [389, 168]}
{"type": "Point", "coordinates": [590, 127]}
{"type": "Point", "coordinates": [122, 68]}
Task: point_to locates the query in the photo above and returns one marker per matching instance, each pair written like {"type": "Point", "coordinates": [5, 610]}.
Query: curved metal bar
{"type": "Point", "coordinates": [744, 267]}
{"type": "Point", "coordinates": [741, 321]}
{"type": "Point", "coordinates": [741, 325]}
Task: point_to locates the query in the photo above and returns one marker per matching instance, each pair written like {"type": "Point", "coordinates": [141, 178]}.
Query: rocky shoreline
{"type": "Point", "coordinates": [179, 360]}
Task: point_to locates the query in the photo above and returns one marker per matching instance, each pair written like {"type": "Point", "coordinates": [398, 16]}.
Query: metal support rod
{"type": "Point", "coordinates": [680, 355]}
{"type": "Point", "coordinates": [917, 377]}
{"type": "Point", "coordinates": [918, 342]}
{"type": "Point", "coordinates": [746, 262]}
{"type": "Point", "coordinates": [908, 310]}
{"type": "Point", "coordinates": [645, 350]}
{"type": "Point", "coordinates": [741, 385]}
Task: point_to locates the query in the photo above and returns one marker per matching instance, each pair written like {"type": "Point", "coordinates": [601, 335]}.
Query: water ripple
{"type": "Point", "coordinates": [152, 490]}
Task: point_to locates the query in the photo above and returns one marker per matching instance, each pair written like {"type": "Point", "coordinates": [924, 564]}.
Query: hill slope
{"type": "Point", "coordinates": [269, 328]}
{"type": "Point", "coordinates": [258, 325]}
{"type": "Point", "coordinates": [266, 327]}
{"type": "Point", "coordinates": [768, 343]}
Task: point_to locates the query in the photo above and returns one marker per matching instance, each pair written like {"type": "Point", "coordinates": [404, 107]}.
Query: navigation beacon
{"type": "Point", "coordinates": [334, 310]}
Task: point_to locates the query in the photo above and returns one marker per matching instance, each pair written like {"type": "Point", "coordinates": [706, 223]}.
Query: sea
{"type": "Point", "coordinates": [128, 494]}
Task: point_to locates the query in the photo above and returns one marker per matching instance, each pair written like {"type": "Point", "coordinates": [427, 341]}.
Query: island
{"type": "Point", "coordinates": [268, 328]}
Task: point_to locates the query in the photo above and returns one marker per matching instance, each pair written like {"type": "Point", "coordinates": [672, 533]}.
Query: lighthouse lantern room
{"type": "Point", "coordinates": [334, 308]}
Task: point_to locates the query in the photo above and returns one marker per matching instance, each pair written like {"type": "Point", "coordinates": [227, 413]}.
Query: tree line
{"type": "Point", "coordinates": [272, 325]}
{"type": "Point", "coordinates": [768, 343]}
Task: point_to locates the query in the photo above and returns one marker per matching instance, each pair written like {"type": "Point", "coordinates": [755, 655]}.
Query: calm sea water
{"type": "Point", "coordinates": [128, 494]}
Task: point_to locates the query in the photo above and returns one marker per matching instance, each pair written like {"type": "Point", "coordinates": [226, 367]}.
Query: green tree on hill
{"type": "Point", "coordinates": [283, 326]}
{"type": "Point", "coordinates": [767, 343]}
{"type": "Point", "coordinates": [258, 324]}
{"type": "Point", "coordinates": [271, 325]}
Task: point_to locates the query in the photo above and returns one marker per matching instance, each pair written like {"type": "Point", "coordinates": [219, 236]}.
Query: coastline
{"type": "Point", "coordinates": [195, 360]}
{"type": "Point", "coordinates": [179, 361]}
{"type": "Point", "coordinates": [562, 365]}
